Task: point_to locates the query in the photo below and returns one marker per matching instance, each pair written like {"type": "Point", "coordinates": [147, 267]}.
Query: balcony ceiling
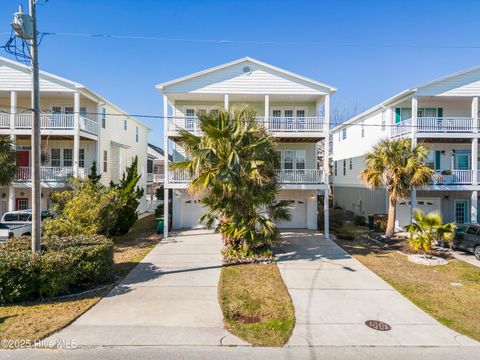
{"type": "Point", "coordinates": [243, 97]}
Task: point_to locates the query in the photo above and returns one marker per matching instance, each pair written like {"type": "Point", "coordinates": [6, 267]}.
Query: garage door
{"type": "Point", "coordinates": [403, 209]}
{"type": "Point", "coordinates": [298, 211]}
{"type": "Point", "coordinates": [192, 211]}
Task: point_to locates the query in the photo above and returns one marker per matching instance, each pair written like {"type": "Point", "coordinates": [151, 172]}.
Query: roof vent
{"type": "Point", "coordinates": [247, 70]}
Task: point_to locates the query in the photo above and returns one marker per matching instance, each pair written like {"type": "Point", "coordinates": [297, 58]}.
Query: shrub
{"type": "Point", "coordinates": [159, 211]}
{"type": "Point", "coordinates": [345, 236]}
{"type": "Point", "coordinates": [359, 220]}
{"type": "Point", "coordinates": [86, 209]}
{"type": "Point", "coordinates": [62, 265]}
{"type": "Point", "coordinates": [336, 219]}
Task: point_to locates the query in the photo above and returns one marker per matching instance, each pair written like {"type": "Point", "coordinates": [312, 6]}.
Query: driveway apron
{"type": "Point", "coordinates": [169, 299]}
{"type": "Point", "coordinates": [334, 295]}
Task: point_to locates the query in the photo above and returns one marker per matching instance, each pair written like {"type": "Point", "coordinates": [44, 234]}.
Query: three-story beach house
{"type": "Point", "coordinates": [294, 109]}
{"type": "Point", "coordinates": [442, 114]}
{"type": "Point", "coordinates": [78, 127]}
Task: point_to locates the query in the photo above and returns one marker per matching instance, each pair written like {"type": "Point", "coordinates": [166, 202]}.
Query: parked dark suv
{"type": "Point", "coordinates": [467, 238]}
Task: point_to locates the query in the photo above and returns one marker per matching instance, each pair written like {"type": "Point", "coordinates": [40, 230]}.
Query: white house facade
{"type": "Point", "coordinates": [443, 115]}
{"type": "Point", "coordinates": [294, 109]}
{"type": "Point", "coordinates": [78, 127]}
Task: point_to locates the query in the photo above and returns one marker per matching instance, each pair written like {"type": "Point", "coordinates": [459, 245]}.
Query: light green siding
{"type": "Point", "coordinates": [310, 155]}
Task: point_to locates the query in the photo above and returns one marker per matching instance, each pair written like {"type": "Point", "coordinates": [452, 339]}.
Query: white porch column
{"type": "Point", "coordinates": [76, 134]}
{"type": "Point", "coordinates": [413, 196]}
{"type": "Point", "coordinates": [326, 165]}
{"type": "Point", "coordinates": [165, 166]}
{"type": "Point", "coordinates": [475, 114]}
{"type": "Point", "coordinates": [473, 209]}
{"type": "Point", "coordinates": [267, 111]}
{"type": "Point", "coordinates": [11, 198]}
{"type": "Point", "coordinates": [226, 104]}
{"type": "Point", "coordinates": [13, 112]}
{"type": "Point", "coordinates": [475, 161]}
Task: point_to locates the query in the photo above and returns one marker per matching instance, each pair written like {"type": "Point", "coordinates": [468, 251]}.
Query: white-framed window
{"type": "Point", "coordinates": [384, 121]}
{"type": "Point", "coordinates": [55, 157]}
{"type": "Point", "coordinates": [69, 110]}
{"type": "Point", "coordinates": [104, 118]}
{"type": "Point", "coordinates": [125, 124]}
{"type": "Point", "coordinates": [300, 161]}
{"type": "Point", "coordinates": [136, 134]}
{"type": "Point", "coordinates": [344, 133]}
{"type": "Point", "coordinates": [83, 111]}
{"type": "Point", "coordinates": [67, 157]}
{"type": "Point", "coordinates": [288, 159]}
{"type": "Point", "coordinates": [105, 161]}
{"type": "Point", "coordinates": [461, 211]}
{"type": "Point", "coordinates": [81, 158]}
{"type": "Point", "coordinates": [363, 128]}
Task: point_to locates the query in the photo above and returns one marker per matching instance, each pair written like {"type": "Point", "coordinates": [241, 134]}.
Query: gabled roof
{"type": "Point", "coordinates": [159, 150]}
{"type": "Point", "coordinates": [401, 95]}
{"type": "Point", "coordinates": [239, 61]}
{"type": "Point", "coordinates": [68, 84]}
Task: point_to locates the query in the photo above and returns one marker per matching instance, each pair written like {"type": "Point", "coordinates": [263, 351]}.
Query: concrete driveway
{"type": "Point", "coordinates": [169, 299]}
{"type": "Point", "coordinates": [466, 257]}
{"type": "Point", "coordinates": [334, 294]}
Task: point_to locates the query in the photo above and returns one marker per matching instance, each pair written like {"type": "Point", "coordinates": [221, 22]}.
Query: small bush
{"type": "Point", "coordinates": [345, 236]}
{"type": "Point", "coordinates": [336, 219]}
{"type": "Point", "coordinates": [359, 220]}
{"type": "Point", "coordinates": [62, 265]}
{"type": "Point", "coordinates": [159, 211]}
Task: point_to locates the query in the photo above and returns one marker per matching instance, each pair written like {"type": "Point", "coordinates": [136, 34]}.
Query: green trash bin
{"type": "Point", "coordinates": [160, 226]}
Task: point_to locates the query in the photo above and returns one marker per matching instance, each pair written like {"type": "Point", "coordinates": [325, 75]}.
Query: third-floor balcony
{"type": "Point", "coordinates": [49, 173]}
{"type": "Point", "coordinates": [283, 125]}
{"type": "Point", "coordinates": [436, 126]}
{"type": "Point", "coordinates": [50, 122]}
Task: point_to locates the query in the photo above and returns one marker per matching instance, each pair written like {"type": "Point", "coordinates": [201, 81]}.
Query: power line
{"type": "Point", "coordinates": [260, 42]}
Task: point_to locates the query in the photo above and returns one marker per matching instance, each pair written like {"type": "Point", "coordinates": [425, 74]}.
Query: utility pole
{"type": "Point", "coordinates": [36, 144]}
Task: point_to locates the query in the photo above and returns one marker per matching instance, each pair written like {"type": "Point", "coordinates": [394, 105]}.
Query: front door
{"type": "Point", "coordinates": [461, 211]}
{"type": "Point", "coordinates": [23, 158]}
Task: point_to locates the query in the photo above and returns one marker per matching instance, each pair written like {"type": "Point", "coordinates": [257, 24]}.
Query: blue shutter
{"type": "Point", "coordinates": [398, 116]}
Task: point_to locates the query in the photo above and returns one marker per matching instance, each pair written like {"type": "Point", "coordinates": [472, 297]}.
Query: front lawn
{"type": "Point", "coordinates": [430, 288]}
{"type": "Point", "coordinates": [36, 320]}
{"type": "Point", "coordinates": [256, 305]}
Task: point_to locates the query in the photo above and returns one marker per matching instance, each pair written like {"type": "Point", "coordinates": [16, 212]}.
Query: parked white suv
{"type": "Point", "coordinates": [15, 223]}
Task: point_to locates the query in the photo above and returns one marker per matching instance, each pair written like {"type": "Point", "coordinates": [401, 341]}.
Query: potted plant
{"type": "Point", "coordinates": [447, 176]}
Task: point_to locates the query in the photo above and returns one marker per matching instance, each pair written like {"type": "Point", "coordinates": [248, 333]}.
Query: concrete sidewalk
{"type": "Point", "coordinates": [334, 294]}
{"type": "Point", "coordinates": [169, 299]}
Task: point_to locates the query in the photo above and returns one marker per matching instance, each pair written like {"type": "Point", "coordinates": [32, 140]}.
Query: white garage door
{"type": "Point", "coordinates": [298, 211]}
{"type": "Point", "coordinates": [403, 209]}
{"type": "Point", "coordinates": [192, 210]}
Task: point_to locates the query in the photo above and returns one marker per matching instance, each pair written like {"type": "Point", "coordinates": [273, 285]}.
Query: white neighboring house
{"type": "Point", "coordinates": [78, 127]}
{"type": "Point", "coordinates": [155, 174]}
{"type": "Point", "coordinates": [292, 108]}
{"type": "Point", "coordinates": [442, 114]}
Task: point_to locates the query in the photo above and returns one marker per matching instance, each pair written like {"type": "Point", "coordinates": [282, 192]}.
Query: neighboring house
{"type": "Point", "coordinates": [155, 174]}
{"type": "Point", "coordinates": [442, 114]}
{"type": "Point", "coordinates": [292, 108]}
{"type": "Point", "coordinates": [78, 127]}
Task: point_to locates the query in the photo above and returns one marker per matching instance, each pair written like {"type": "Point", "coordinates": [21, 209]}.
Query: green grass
{"type": "Point", "coordinates": [427, 286]}
{"type": "Point", "coordinates": [256, 305]}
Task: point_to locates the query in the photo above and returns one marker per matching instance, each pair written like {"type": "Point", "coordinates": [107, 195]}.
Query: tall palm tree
{"type": "Point", "coordinates": [232, 166]}
{"type": "Point", "coordinates": [399, 167]}
{"type": "Point", "coordinates": [8, 160]}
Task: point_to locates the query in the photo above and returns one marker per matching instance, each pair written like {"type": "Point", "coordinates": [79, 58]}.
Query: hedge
{"type": "Point", "coordinates": [63, 265]}
{"type": "Point", "coordinates": [336, 219]}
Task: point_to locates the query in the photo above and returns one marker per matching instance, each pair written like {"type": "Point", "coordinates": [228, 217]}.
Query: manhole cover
{"type": "Point", "coordinates": [378, 325]}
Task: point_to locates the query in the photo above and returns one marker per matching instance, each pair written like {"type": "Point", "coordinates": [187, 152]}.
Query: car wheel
{"type": "Point", "coordinates": [476, 252]}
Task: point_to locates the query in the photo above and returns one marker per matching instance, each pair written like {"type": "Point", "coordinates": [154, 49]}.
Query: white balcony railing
{"type": "Point", "coordinates": [157, 178]}
{"type": "Point", "coordinates": [446, 177]}
{"type": "Point", "coordinates": [4, 121]}
{"type": "Point", "coordinates": [272, 124]}
{"type": "Point", "coordinates": [179, 176]}
{"type": "Point", "coordinates": [50, 122]}
{"type": "Point", "coordinates": [449, 124]}
{"type": "Point", "coordinates": [49, 173]}
{"type": "Point", "coordinates": [307, 176]}
{"type": "Point", "coordinates": [291, 124]}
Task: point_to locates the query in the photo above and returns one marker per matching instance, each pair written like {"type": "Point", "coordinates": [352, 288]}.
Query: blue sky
{"type": "Point", "coordinates": [125, 71]}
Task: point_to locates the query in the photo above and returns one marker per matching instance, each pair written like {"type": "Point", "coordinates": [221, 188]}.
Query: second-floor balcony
{"type": "Point", "coordinates": [436, 125]}
{"type": "Point", "coordinates": [49, 173]}
{"type": "Point", "coordinates": [272, 124]}
{"type": "Point", "coordinates": [452, 177]}
{"type": "Point", "coordinates": [52, 122]}
{"type": "Point", "coordinates": [305, 176]}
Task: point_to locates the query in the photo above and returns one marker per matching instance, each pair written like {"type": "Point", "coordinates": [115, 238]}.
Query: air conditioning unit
{"type": "Point", "coordinates": [23, 24]}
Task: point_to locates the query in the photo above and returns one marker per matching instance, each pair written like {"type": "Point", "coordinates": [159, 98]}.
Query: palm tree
{"type": "Point", "coordinates": [232, 166]}
{"type": "Point", "coordinates": [399, 167]}
{"type": "Point", "coordinates": [8, 160]}
{"type": "Point", "coordinates": [429, 228]}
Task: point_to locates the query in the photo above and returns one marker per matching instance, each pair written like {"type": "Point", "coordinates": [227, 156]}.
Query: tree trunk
{"type": "Point", "coordinates": [392, 204]}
